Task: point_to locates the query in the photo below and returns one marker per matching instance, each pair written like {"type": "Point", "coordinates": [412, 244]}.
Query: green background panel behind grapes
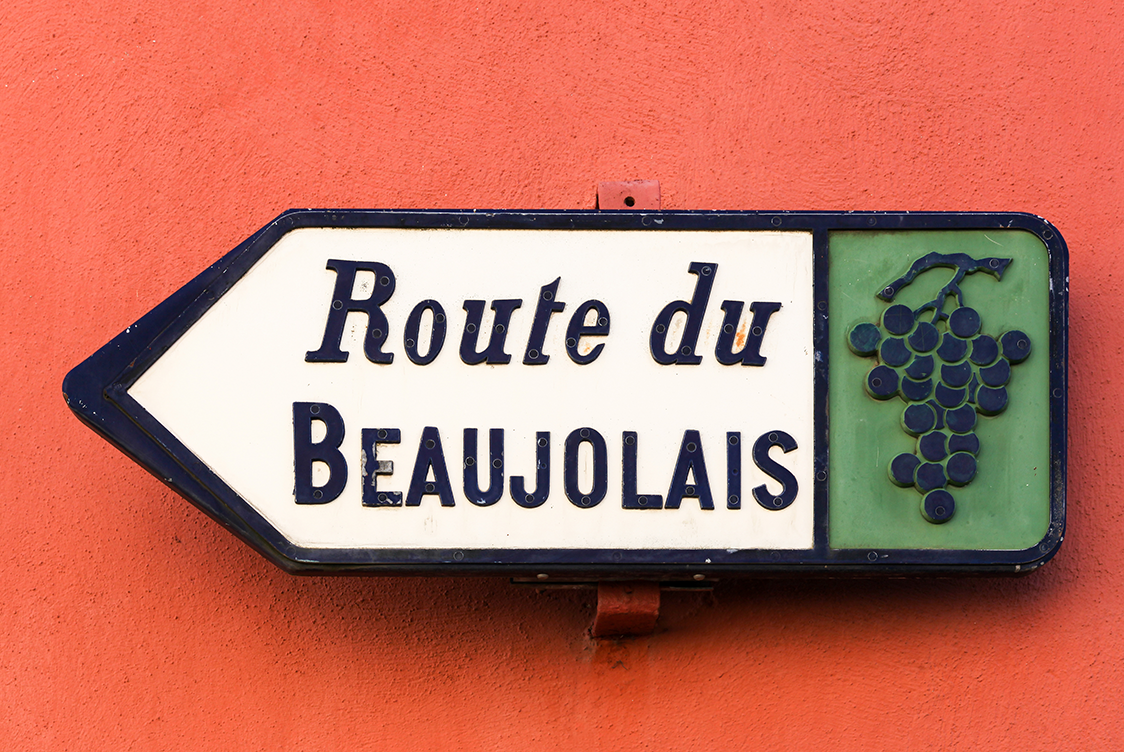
{"type": "Point", "coordinates": [1007, 505]}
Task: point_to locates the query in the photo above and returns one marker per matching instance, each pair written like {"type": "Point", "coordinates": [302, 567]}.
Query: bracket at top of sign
{"type": "Point", "coordinates": [629, 195]}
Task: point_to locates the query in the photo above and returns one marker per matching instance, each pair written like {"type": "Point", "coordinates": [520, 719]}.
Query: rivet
{"type": "Point", "coordinates": [700, 577]}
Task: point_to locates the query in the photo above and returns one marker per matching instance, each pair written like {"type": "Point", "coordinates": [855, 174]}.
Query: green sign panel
{"type": "Point", "coordinates": [940, 390]}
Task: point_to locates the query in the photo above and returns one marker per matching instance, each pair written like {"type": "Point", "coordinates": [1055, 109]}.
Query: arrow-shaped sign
{"type": "Point", "coordinates": [610, 394]}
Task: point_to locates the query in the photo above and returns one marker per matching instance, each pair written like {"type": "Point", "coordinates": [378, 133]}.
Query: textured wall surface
{"type": "Point", "coordinates": [142, 140]}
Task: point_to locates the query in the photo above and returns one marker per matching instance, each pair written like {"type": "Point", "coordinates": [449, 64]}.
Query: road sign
{"type": "Point", "coordinates": [609, 394]}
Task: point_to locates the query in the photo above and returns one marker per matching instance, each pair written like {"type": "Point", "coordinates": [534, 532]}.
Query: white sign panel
{"type": "Point", "coordinates": [662, 453]}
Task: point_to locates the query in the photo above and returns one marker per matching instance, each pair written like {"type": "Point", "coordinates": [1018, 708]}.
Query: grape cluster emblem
{"type": "Point", "coordinates": [946, 371]}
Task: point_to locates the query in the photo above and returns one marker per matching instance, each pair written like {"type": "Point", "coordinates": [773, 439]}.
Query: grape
{"type": "Point", "coordinates": [952, 350]}
{"type": "Point", "coordinates": [984, 350]}
{"type": "Point", "coordinates": [943, 413]}
{"type": "Point", "coordinates": [882, 382]}
{"type": "Point", "coordinates": [902, 468]}
{"type": "Point", "coordinates": [924, 338]}
{"type": "Point", "coordinates": [961, 468]}
{"type": "Point", "coordinates": [894, 352]}
{"type": "Point", "coordinates": [938, 506]}
{"type": "Point", "coordinates": [991, 401]}
{"type": "Point", "coordinates": [967, 443]}
{"type": "Point", "coordinates": [973, 385]}
{"type": "Point", "coordinates": [920, 368]}
{"type": "Point", "coordinates": [949, 397]}
{"type": "Point", "coordinates": [961, 420]}
{"type": "Point", "coordinates": [864, 339]}
{"type": "Point", "coordinates": [1016, 346]}
{"type": "Point", "coordinates": [956, 375]}
{"type": "Point", "coordinates": [964, 322]}
{"type": "Point", "coordinates": [930, 475]}
{"type": "Point", "coordinates": [898, 319]}
{"type": "Point", "coordinates": [932, 446]}
{"type": "Point", "coordinates": [916, 391]}
{"type": "Point", "coordinates": [919, 419]}
{"type": "Point", "coordinates": [998, 374]}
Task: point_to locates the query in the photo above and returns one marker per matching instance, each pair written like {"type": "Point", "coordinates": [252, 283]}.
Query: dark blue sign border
{"type": "Point", "coordinates": [96, 390]}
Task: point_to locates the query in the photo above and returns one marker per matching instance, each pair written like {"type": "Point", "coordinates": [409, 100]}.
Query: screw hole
{"type": "Point", "coordinates": [629, 201]}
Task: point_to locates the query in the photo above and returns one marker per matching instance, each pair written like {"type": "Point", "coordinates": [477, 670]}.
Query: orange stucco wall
{"type": "Point", "coordinates": [141, 140]}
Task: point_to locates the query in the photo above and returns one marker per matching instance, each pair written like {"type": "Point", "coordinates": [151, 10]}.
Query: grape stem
{"type": "Point", "coordinates": [961, 262]}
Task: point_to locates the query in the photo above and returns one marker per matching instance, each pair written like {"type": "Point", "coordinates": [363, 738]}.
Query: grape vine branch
{"type": "Point", "coordinates": [961, 262]}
